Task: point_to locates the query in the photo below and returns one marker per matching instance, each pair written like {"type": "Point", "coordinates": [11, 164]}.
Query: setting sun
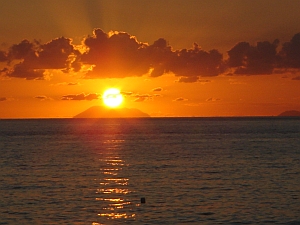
{"type": "Point", "coordinates": [112, 97]}
{"type": "Point", "coordinates": [171, 69]}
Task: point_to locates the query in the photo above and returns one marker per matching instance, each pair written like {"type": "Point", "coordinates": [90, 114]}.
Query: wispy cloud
{"type": "Point", "coordinates": [142, 97]}
{"type": "Point", "coordinates": [42, 97]}
{"type": "Point", "coordinates": [180, 99]}
{"type": "Point", "coordinates": [213, 99]}
{"type": "Point", "coordinates": [296, 78]}
{"type": "Point", "coordinates": [80, 97]}
{"type": "Point", "coordinates": [158, 89]}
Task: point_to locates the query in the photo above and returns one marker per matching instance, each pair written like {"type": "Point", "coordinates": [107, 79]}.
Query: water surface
{"type": "Point", "coordinates": [189, 170]}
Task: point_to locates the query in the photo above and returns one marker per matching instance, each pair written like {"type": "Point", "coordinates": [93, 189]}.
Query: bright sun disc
{"type": "Point", "coordinates": [112, 97]}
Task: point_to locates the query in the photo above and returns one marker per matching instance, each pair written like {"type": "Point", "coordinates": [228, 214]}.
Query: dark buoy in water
{"type": "Point", "coordinates": [143, 200]}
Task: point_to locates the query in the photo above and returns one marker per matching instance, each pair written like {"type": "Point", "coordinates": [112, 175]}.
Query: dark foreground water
{"type": "Point", "coordinates": [190, 171]}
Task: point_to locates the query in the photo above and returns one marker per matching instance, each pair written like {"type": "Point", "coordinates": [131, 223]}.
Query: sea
{"type": "Point", "coordinates": [243, 170]}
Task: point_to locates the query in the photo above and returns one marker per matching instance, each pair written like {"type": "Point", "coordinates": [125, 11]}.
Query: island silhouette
{"type": "Point", "coordinates": [104, 112]}
{"type": "Point", "coordinates": [290, 113]}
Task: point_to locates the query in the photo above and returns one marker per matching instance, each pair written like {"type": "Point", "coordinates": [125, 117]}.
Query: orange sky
{"type": "Point", "coordinates": [58, 57]}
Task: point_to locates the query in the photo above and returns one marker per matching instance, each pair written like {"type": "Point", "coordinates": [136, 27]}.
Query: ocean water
{"type": "Point", "coordinates": [189, 170]}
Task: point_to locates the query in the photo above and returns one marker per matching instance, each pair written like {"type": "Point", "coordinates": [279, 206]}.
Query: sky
{"type": "Point", "coordinates": [168, 58]}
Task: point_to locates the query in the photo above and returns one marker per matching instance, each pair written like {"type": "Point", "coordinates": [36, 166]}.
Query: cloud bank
{"type": "Point", "coordinates": [119, 54]}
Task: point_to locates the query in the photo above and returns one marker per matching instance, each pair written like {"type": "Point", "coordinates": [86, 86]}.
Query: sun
{"type": "Point", "coordinates": [112, 97]}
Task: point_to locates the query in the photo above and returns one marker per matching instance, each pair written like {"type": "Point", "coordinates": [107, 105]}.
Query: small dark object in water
{"type": "Point", "coordinates": [143, 200]}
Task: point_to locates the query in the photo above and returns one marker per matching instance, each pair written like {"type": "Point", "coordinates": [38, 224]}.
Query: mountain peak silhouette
{"type": "Point", "coordinates": [103, 112]}
{"type": "Point", "coordinates": [290, 113]}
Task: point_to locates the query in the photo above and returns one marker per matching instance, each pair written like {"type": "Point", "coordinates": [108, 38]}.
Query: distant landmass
{"type": "Point", "coordinates": [103, 112]}
{"type": "Point", "coordinates": [290, 113]}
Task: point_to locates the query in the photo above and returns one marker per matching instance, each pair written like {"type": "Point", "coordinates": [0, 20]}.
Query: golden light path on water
{"type": "Point", "coordinates": [113, 189]}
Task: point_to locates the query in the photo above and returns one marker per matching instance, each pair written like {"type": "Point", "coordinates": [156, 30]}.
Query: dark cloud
{"type": "Point", "coordinates": [56, 54]}
{"type": "Point", "coordinates": [290, 52]}
{"type": "Point", "coordinates": [2, 99]}
{"type": "Point", "coordinates": [29, 60]}
{"type": "Point", "coordinates": [20, 56]}
{"type": "Point", "coordinates": [22, 50]}
{"type": "Point", "coordinates": [119, 54]}
{"type": "Point", "coordinates": [159, 56]}
{"type": "Point", "coordinates": [237, 55]}
{"type": "Point", "coordinates": [3, 56]}
{"type": "Point", "coordinates": [22, 71]}
{"type": "Point", "coordinates": [80, 97]}
{"type": "Point", "coordinates": [196, 62]}
{"type": "Point", "coordinates": [114, 55]}
{"type": "Point", "coordinates": [253, 60]}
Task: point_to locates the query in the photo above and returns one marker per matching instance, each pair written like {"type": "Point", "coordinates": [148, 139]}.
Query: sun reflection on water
{"type": "Point", "coordinates": [113, 191]}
